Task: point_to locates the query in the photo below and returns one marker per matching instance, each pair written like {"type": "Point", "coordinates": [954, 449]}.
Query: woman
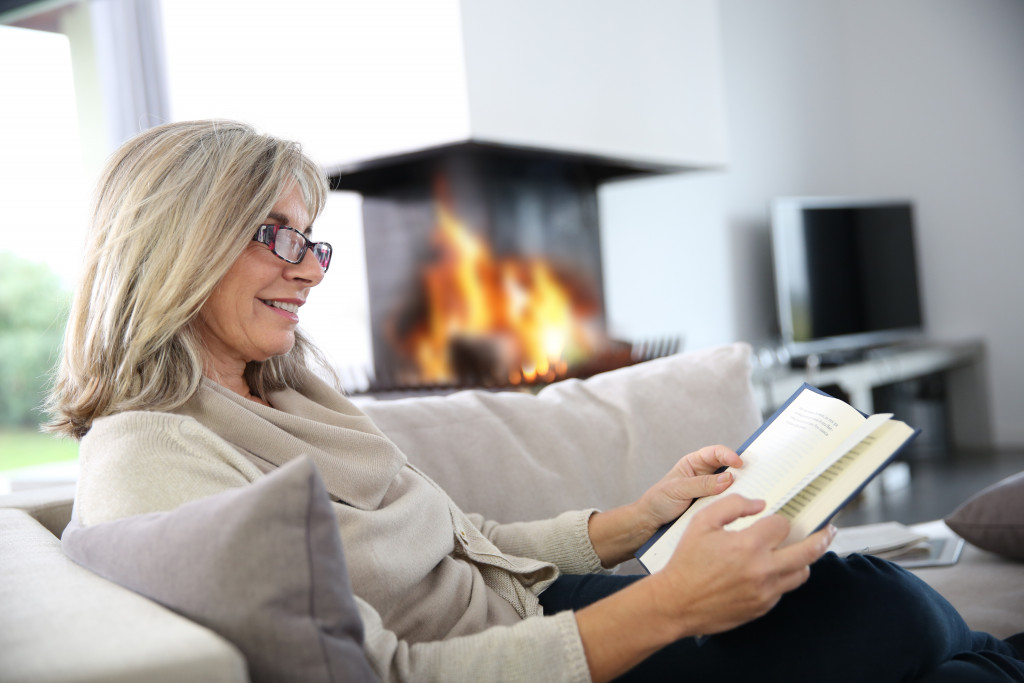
{"type": "Point", "coordinates": [184, 374]}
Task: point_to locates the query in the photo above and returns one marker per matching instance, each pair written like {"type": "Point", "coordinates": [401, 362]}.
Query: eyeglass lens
{"type": "Point", "coordinates": [290, 244]}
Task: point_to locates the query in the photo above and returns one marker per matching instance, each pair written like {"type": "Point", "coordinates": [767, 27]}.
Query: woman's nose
{"type": "Point", "coordinates": [309, 268]}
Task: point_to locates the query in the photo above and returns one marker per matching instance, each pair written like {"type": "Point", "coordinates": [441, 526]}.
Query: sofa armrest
{"type": "Point", "coordinates": [50, 505]}
{"type": "Point", "coordinates": [61, 622]}
{"type": "Point", "coordinates": [982, 586]}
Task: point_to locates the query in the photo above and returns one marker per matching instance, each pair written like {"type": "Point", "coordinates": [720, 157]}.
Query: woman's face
{"type": "Point", "coordinates": [252, 313]}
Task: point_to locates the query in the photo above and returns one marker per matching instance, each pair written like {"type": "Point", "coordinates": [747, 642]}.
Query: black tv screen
{"type": "Point", "coordinates": [845, 273]}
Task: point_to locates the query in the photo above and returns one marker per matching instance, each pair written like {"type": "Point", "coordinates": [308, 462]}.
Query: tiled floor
{"type": "Point", "coordinates": [933, 489]}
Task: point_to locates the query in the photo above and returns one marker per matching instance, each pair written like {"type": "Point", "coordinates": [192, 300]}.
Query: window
{"type": "Point", "coordinates": [42, 191]}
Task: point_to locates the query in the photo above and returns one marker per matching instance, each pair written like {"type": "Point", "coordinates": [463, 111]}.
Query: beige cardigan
{"type": "Point", "coordinates": [443, 595]}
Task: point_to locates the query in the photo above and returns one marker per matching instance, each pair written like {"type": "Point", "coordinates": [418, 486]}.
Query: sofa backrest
{"type": "Point", "coordinates": [599, 442]}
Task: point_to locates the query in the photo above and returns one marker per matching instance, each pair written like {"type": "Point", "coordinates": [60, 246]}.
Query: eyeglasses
{"type": "Point", "coordinates": [290, 245]}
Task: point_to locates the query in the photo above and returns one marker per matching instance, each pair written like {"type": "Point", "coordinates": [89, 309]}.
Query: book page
{"type": "Point", "coordinates": [854, 439]}
{"type": "Point", "coordinates": [802, 438]}
{"type": "Point", "coordinates": [812, 507]}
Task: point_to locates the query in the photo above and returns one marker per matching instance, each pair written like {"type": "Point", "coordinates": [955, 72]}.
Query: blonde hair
{"type": "Point", "coordinates": [175, 207]}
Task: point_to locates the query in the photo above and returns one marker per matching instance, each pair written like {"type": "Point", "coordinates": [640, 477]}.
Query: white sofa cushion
{"type": "Point", "coordinates": [60, 622]}
{"type": "Point", "coordinates": [599, 442]}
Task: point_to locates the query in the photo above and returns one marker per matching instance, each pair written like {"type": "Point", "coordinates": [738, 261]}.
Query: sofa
{"type": "Point", "coordinates": [509, 455]}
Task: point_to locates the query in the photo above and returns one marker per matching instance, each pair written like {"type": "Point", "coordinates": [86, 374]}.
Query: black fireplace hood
{"type": "Point", "coordinates": [380, 174]}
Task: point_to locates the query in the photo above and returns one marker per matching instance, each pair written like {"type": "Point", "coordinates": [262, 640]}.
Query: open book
{"type": "Point", "coordinates": [807, 461]}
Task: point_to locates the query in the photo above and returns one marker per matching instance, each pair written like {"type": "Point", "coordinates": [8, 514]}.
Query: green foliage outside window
{"type": "Point", "coordinates": [33, 310]}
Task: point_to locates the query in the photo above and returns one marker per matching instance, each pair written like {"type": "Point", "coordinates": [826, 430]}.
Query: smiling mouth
{"type": "Point", "coordinates": [291, 308]}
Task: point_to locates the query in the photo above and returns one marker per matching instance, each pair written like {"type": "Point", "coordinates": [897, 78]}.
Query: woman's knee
{"type": "Point", "coordinates": [976, 667]}
{"type": "Point", "coordinates": [894, 604]}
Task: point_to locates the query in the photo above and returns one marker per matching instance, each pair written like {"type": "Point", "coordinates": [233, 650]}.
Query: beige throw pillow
{"type": "Point", "coordinates": [599, 442]}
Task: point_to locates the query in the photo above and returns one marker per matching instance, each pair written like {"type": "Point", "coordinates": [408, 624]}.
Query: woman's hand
{"type": "Point", "coordinates": [715, 580]}
{"type": "Point", "coordinates": [617, 533]}
{"type": "Point", "coordinates": [692, 477]}
{"type": "Point", "coordinates": [720, 579]}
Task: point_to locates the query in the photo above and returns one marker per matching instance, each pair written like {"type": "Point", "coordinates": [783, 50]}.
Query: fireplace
{"type": "Point", "coordinates": [478, 135]}
{"type": "Point", "coordinates": [484, 267]}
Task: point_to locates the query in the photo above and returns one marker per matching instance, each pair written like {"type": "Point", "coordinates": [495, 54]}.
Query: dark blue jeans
{"type": "Point", "coordinates": [856, 619]}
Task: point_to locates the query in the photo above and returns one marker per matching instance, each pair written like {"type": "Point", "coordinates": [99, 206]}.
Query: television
{"type": "Point", "coordinates": [845, 274]}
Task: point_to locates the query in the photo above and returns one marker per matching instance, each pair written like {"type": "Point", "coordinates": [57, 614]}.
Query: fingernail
{"type": "Point", "coordinates": [724, 477]}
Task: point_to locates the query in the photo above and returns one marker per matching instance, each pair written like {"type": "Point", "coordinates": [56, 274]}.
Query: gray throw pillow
{"type": "Point", "coordinates": [993, 519]}
{"type": "Point", "coordinates": [261, 565]}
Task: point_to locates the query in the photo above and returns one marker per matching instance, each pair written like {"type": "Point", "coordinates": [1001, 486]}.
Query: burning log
{"type": "Point", "coordinates": [481, 363]}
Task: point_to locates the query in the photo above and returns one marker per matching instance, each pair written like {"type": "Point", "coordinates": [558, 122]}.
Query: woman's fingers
{"type": "Point", "coordinates": [728, 510]}
{"type": "Point", "coordinates": [710, 459]}
{"type": "Point", "coordinates": [729, 577]}
{"type": "Point", "coordinates": [700, 473]}
{"type": "Point", "coordinates": [698, 487]}
{"type": "Point", "coordinates": [807, 551]}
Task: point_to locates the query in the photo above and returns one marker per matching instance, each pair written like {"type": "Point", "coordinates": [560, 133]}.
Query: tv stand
{"type": "Point", "coordinates": [960, 362]}
{"type": "Point", "coordinates": [830, 359]}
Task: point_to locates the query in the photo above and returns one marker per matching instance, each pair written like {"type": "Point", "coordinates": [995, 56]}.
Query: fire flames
{"type": "Point", "coordinates": [509, 320]}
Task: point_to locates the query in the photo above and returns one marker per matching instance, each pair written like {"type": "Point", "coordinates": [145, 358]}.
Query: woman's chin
{"type": "Point", "coordinates": [274, 350]}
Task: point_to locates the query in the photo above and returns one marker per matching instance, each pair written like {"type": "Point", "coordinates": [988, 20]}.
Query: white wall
{"type": "Point", "coordinates": [566, 75]}
{"type": "Point", "coordinates": [711, 269]}
{"type": "Point", "coordinates": [946, 122]}
{"type": "Point", "coordinates": [921, 98]}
